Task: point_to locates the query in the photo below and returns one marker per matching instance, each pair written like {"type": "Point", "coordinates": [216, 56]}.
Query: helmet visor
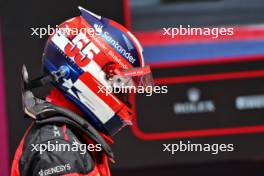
{"type": "Point", "coordinates": [134, 78]}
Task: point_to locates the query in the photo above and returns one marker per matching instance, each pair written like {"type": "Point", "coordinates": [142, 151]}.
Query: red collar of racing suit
{"type": "Point", "coordinates": [57, 98]}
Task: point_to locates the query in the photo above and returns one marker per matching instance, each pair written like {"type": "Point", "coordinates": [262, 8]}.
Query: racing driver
{"type": "Point", "coordinates": [84, 59]}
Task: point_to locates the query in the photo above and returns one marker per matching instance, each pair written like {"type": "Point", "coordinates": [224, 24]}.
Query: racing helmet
{"type": "Point", "coordinates": [89, 55]}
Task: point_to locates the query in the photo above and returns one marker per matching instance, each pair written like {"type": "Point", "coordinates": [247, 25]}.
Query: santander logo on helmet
{"type": "Point", "coordinates": [95, 50]}
{"type": "Point", "coordinates": [125, 53]}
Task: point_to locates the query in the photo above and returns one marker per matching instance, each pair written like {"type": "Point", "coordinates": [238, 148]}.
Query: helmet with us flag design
{"type": "Point", "coordinates": [89, 55]}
